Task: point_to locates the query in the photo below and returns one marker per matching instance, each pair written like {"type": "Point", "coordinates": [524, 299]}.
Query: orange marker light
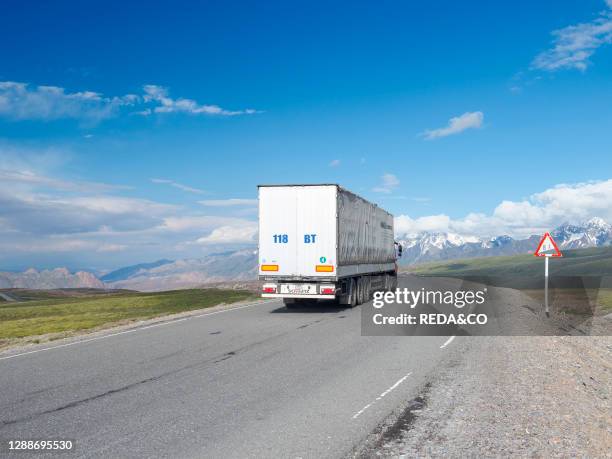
{"type": "Point", "coordinates": [269, 267]}
{"type": "Point", "coordinates": [324, 269]}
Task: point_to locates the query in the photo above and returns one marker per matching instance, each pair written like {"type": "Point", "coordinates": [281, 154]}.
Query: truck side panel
{"type": "Point", "coordinates": [366, 232]}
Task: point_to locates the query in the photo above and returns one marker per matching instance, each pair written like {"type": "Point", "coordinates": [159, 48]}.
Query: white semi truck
{"type": "Point", "coordinates": [323, 242]}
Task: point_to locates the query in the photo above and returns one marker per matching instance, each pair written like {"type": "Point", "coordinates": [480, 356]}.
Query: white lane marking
{"type": "Point", "coordinates": [448, 341]}
{"type": "Point", "coordinates": [394, 386]}
{"type": "Point", "coordinates": [399, 381]}
{"type": "Point", "coordinates": [170, 322]}
{"type": "Point", "coordinates": [362, 410]}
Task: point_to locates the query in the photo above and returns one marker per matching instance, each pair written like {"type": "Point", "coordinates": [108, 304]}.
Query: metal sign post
{"type": "Point", "coordinates": [546, 310]}
{"type": "Point", "coordinates": [547, 248]}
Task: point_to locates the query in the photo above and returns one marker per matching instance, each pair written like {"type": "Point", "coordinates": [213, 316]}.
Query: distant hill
{"type": "Point", "coordinates": [520, 271]}
{"type": "Point", "coordinates": [239, 265]}
{"type": "Point", "coordinates": [130, 271]}
{"type": "Point", "coordinates": [215, 268]}
{"type": "Point", "coordinates": [49, 279]}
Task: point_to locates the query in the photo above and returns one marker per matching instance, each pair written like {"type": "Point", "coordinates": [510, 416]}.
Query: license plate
{"type": "Point", "coordinates": [299, 289]}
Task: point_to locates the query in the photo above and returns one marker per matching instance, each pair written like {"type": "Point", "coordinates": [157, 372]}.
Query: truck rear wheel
{"type": "Point", "coordinates": [361, 290]}
{"type": "Point", "coordinates": [393, 282]}
{"type": "Point", "coordinates": [290, 303]}
{"type": "Point", "coordinates": [352, 294]}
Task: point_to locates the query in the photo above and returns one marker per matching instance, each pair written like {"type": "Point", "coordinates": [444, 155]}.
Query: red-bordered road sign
{"type": "Point", "coordinates": [547, 247]}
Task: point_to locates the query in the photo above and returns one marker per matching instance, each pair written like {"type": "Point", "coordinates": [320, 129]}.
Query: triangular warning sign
{"type": "Point", "coordinates": [547, 247]}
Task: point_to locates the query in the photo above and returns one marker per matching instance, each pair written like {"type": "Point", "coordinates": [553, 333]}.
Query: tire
{"type": "Point", "coordinates": [393, 282]}
{"type": "Point", "coordinates": [290, 303]}
{"type": "Point", "coordinates": [361, 290]}
{"type": "Point", "coordinates": [352, 294]}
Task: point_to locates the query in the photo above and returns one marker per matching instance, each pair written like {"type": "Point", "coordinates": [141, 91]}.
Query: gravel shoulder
{"type": "Point", "coordinates": [509, 396]}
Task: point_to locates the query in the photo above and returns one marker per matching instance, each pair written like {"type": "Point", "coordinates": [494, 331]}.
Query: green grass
{"type": "Point", "coordinates": [22, 294]}
{"type": "Point", "coordinates": [576, 300]}
{"type": "Point", "coordinates": [583, 262]}
{"type": "Point", "coordinates": [604, 299]}
{"type": "Point", "coordinates": [68, 314]}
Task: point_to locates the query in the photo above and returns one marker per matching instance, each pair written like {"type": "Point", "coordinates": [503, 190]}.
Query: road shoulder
{"type": "Point", "coordinates": [509, 396]}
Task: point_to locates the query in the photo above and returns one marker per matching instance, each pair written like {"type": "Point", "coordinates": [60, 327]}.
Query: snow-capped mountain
{"type": "Point", "coordinates": [446, 246]}
{"type": "Point", "coordinates": [593, 233]}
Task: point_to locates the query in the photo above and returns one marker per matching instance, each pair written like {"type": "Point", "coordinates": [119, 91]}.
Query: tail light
{"type": "Point", "coordinates": [269, 289]}
{"type": "Point", "coordinates": [328, 290]}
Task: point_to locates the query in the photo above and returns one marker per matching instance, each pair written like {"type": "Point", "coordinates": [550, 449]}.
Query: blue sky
{"type": "Point", "coordinates": [134, 132]}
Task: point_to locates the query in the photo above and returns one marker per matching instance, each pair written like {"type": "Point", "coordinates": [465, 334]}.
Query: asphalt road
{"type": "Point", "coordinates": [259, 381]}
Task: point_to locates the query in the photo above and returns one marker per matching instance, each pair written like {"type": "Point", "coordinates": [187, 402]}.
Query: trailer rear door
{"type": "Point", "coordinates": [297, 231]}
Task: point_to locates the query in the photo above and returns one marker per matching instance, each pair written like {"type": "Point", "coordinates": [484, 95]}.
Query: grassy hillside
{"type": "Point", "coordinates": [61, 312]}
{"type": "Point", "coordinates": [582, 262]}
{"type": "Point", "coordinates": [22, 294]}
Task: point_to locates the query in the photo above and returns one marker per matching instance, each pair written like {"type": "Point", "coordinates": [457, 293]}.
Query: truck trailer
{"type": "Point", "coordinates": [322, 242]}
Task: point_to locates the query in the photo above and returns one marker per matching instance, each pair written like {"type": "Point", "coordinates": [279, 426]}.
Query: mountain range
{"type": "Point", "coordinates": [426, 247]}
{"type": "Point", "coordinates": [241, 265]}
{"type": "Point", "coordinates": [49, 279]}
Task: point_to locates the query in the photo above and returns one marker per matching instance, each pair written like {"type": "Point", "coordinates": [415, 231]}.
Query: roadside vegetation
{"type": "Point", "coordinates": [583, 262]}
{"type": "Point", "coordinates": [580, 282]}
{"type": "Point", "coordinates": [58, 313]}
{"type": "Point", "coordinates": [575, 300]}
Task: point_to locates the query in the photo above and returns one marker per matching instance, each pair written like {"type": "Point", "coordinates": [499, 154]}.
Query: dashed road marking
{"type": "Point", "coordinates": [448, 341]}
{"type": "Point", "coordinates": [394, 386]}
{"type": "Point", "coordinates": [362, 410]}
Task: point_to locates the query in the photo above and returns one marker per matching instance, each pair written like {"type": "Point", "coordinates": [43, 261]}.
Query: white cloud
{"type": "Point", "coordinates": [334, 163]}
{"type": "Point", "coordinates": [46, 219]}
{"type": "Point", "coordinates": [232, 202]}
{"type": "Point", "coordinates": [54, 244]}
{"type": "Point", "coordinates": [469, 120]}
{"type": "Point", "coordinates": [433, 223]}
{"type": "Point", "coordinates": [20, 157]}
{"type": "Point", "coordinates": [231, 234]}
{"type": "Point", "coordinates": [159, 94]}
{"type": "Point", "coordinates": [574, 45]}
{"type": "Point", "coordinates": [199, 223]}
{"type": "Point", "coordinates": [28, 177]}
{"type": "Point", "coordinates": [180, 186]}
{"type": "Point", "coordinates": [117, 205]}
{"type": "Point", "coordinates": [48, 245]}
{"type": "Point", "coordinates": [21, 101]}
{"type": "Point", "coordinates": [111, 248]}
{"type": "Point", "coordinates": [389, 183]}
{"type": "Point", "coordinates": [540, 212]}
